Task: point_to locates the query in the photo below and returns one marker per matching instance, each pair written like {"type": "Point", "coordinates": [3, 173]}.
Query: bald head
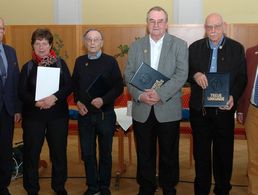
{"type": "Point", "coordinates": [214, 27]}
{"type": "Point", "coordinates": [214, 17]}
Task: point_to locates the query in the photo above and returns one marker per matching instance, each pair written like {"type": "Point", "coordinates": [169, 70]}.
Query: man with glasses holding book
{"type": "Point", "coordinates": [97, 82]}
{"type": "Point", "coordinates": [213, 126]}
{"type": "Point", "coordinates": [157, 111]}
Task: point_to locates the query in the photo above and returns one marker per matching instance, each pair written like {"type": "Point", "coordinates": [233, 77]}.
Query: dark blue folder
{"type": "Point", "coordinates": [217, 92]}
{"type": "Point", "coordinates": [98, 88]}
{"type": "Point", "coordinates": [147, 78]}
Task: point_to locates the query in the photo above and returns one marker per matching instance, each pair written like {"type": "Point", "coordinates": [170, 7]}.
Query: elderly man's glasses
{"type": "Point", "coordinates": [95, 40]}
{"type": "Point", "coordinates": [213, 27]}
{"type": "Point", "coordinates": [156, 22]}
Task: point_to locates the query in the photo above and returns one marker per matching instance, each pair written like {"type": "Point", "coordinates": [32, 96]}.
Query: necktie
{"type": "Point", "coordinates": [2, 69]}
{"type": "Point", "coordinates": [256, 91]}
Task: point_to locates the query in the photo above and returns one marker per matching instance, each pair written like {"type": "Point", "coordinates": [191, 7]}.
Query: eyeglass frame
{"type": "Point", "coordinates": [94, 40]}
{"type": "Point", "coordinates": [215, 27]}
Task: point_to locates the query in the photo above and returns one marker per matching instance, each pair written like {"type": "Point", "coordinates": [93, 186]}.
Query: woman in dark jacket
{"type": "Point", "coordinates": [47, 117]}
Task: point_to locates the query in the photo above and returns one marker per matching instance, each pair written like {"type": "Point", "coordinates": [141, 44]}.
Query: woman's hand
{"type": "Point", "coordinates": [47, 102]}
{"type": "Point", "coordinates": [81, 108]}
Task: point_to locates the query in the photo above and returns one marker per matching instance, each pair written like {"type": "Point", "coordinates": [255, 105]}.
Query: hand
{"type": "Point", "coordinates": [81, 108]}
{"type": "Point", "coordinates": [97, 102]}
{"type": "Point", "coordinates": [47, 102]}
{"type": "Point", "coordinates": [201, 80]}
{"type": "Point", "coordinates": [17, 117]}
{"type": "Point", "coordinates": [229, 105]}
{"type": "Point", "coordinates": [150, 97]}
{"type": "Point", "coordinates": [240, 117]}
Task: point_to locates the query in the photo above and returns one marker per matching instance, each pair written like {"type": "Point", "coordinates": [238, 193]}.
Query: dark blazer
{"type": "Point", "coordinates": [9, 92]}
{"type": "Point", "coordinates": [231, 59]}
{"type": "Point", "coordinates": [27, 88]}
{"type": "Point", "coordinates": [252, 62]}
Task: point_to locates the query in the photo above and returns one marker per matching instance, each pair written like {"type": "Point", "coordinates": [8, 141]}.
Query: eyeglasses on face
{"type": "Point", "coordinates": [95, 40]}
{"type": "Point", "coordinates": [41, 44]}
{"type": "Point", "coordinates": [213, 27]}
{"type": "Point", "coordinates": [156, 22]}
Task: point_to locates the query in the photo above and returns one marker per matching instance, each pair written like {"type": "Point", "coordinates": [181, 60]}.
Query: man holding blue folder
{"type": "Point", "coordinates": [97, 83]}
{"type": "Point", "coordinates": [213, 127]}
{"type": "Point", "coordinates": [157, 112]}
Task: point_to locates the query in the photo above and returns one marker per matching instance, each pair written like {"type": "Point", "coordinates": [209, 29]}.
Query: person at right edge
{"type": "Point", "coordinates": [248, 115]}
{"type": "Point", "coordinates": [157, 112]}
{"type": "Point", "coordinates": [213, 127]}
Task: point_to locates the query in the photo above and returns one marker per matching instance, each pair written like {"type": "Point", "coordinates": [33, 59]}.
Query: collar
{"type": "Point", "coordinates": [160, 41]}
{"type": "Point", "coordinates": [212, 46]}
{"type": "Point", "coordinates": [1, 47]}
{"type": "Point", "coordinates": [94, 57]}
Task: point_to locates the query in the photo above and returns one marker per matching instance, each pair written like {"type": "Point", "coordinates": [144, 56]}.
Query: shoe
{"type": "Point", "coordinates": [105, 191]}
{"type": "Point", "coordinates": [63, 192]}
{"type": "Point", "coordinates": [4, 191]}
{"type": "Point", "coordinates": [90, 192]}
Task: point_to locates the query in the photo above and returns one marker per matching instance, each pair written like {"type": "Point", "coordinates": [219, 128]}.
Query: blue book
{"type": "Point", "coordinates": [217, 92]}
{"type": "Point", "coordinates": [148, 78]}
{"type": "Point", "coordinates": [98, 88]}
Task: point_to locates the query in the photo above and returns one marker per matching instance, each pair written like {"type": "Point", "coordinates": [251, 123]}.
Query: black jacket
{"type": "Point", "coordinates": [86, 71]}
{"type": "Point", "coordinates": [27, 88]}
{"type": "Point", "coordinates": [231, 59]}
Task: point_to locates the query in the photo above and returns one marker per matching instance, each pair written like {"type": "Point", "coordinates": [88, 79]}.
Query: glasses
{"type": "Point", "coordinates": [94, 40]}
{"type": "Point", "coordinates": [41, 44]}
{"type": "Point", "coordinates": [213, 27]}
{"type": "Point", "coordinates": [156, 22]}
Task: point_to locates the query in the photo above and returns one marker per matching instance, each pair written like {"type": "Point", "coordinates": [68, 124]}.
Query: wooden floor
{"type": "Point", "coordinates": [127, 184]}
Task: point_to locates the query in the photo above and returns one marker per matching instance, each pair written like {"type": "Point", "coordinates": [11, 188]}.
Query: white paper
{"type": "Point", "coordinates": [123, 119]}
{"type": "Point", "coordinates": [47, 81]}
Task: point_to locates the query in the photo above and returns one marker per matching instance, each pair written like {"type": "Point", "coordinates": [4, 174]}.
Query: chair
{"type": "Point", "coordinates": [185, 127]}
{"type": "Point", "coordinates": [121, 101]}
{"type": "Point", "coordinates": [73, 123]}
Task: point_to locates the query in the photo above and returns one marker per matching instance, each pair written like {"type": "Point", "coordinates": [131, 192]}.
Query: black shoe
{"type": "Point", "coordinates": [63, 192]}
{"type": "Point", "coordinates": [90, 192]}
{"type": "Point", "coordinates": [105, 191]}
{"type": "Point", "coordinates": [4, 191]}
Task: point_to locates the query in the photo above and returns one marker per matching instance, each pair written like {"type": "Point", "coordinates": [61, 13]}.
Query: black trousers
{"type": "Point", "coordinates": [213, 145]}
{"type": "Point", "coordinates": [147, 134]}
{"type": "Point", "coordinates": [6, 141]}
{"type": "Point", "coordinates": [34, 133]}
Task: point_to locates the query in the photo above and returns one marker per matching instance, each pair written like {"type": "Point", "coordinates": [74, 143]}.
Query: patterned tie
{"type": "Point", "coordinates": [256, 91]}
{"type": "Point", "coordinates": [2, 69]}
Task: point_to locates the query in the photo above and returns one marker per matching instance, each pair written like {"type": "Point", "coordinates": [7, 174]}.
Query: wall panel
{"type": "Point", "coordinates": [19, 37]}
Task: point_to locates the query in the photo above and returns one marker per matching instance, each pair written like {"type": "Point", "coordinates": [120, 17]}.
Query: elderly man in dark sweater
{"type": "Point", "coordinates": [97, 83]}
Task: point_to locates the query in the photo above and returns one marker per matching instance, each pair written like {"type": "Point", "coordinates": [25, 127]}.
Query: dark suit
{"type": "Point", "coordinates": [213, 129]}
{"type": "Point", "coordinates": [9, 105]}
{"type": "Point", "coordinates": [250, 115]}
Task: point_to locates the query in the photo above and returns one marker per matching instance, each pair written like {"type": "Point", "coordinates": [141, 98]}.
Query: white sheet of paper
{"type": "Point", "coordinates": [122, 118]}
{"type": "Point", "coordinates": [47, 82]}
